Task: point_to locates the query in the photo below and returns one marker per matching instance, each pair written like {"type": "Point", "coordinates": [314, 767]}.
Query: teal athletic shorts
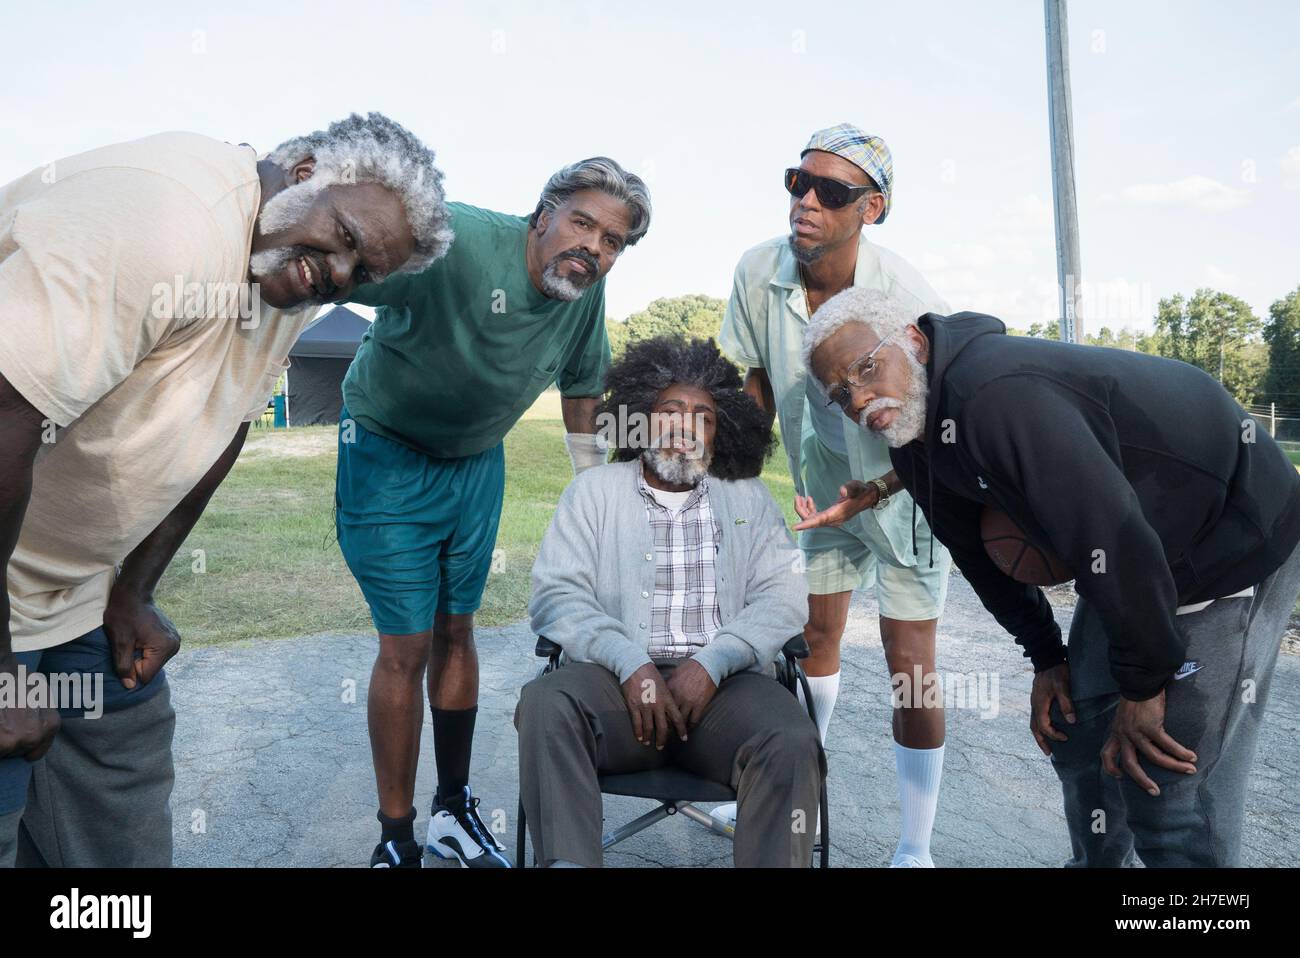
{"type": "Point", "coordinates": [417, 532]}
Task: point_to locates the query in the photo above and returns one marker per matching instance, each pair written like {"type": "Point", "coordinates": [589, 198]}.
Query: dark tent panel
{"type": "Point", "coordinates": [318, 363]}
{"type": "Point", "coordinates": [316, 391]}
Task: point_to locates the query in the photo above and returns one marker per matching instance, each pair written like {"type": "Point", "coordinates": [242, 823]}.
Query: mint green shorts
{"type": "Point", "coordinates": [857, 555]}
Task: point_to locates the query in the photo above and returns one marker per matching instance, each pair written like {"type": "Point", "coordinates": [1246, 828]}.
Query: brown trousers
{"type": "Point", "coordinates": [755, 736]}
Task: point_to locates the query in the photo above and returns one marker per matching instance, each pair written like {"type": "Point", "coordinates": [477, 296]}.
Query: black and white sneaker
{"type": "Point", "coordinates": [397, 855]}
{"type": "Point", "coordinates": [456, 832]}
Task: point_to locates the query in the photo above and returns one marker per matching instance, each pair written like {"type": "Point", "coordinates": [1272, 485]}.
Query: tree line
{"type": "Point", "coordinates": [1257, 360]}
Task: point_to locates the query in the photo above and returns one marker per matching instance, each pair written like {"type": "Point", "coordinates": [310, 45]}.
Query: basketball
{"type": "Point", "coordinates": [1015, 555]}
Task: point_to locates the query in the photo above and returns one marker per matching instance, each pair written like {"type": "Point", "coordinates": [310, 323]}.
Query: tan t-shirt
{"type": "Point", "coordinates": [102, 331]}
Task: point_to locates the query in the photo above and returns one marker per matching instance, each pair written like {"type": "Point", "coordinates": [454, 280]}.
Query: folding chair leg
{"type": "Point", "coordinates": [807, 697]}
{"type": "Point", "coordinates": [825, 848]}
{"type": "Point", "coordinates": [521, 839]}
{"type": "Point", "coordinates": [636, 825]}
{"type": "Point", "coordinates": [704, 818]}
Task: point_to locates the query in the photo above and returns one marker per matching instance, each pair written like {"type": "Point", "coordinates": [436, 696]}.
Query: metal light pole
{"type": "Point", "coordinates": [1064, 206]}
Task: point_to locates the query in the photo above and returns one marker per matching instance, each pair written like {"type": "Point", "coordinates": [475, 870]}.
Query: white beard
{"type": "Point", "coordinates": [558, 287]}
{"type": "Point", "coordinates": [676, 468]}
{"type": "Point", "coordinates": [282, 211]}
{"type": "Point", "coordinates": [909, 422]}
{"type": "Point", "coordinates": [269, 262]}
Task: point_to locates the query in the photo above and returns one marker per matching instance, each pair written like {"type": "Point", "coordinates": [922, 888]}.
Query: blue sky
{"type": "Point", "coordinates": [1187, 121]}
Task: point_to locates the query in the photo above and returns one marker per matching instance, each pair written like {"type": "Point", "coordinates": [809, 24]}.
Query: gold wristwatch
{"type": "Point", "coordinates": [884, 494]}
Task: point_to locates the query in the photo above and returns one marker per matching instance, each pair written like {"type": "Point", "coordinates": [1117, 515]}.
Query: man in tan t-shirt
{"type": "Point", "coordinates": [149, 294]}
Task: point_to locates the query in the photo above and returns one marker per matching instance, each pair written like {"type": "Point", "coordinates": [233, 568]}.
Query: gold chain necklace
{"type": "Point", "coordinates": [807, 302]}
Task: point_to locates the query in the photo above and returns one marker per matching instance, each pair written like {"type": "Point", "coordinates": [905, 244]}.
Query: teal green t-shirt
{"type": "Point", "coordinates": [458, 353]}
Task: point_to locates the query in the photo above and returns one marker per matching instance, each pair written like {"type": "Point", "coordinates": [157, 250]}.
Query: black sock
{"type": "Point", "coordinates": [453, 739]}
{"type": "Point", "coordinates": [397, 829]}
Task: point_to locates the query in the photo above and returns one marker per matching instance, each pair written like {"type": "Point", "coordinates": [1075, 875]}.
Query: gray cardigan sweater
{"type": "Point", "coordinates": [594, 577]}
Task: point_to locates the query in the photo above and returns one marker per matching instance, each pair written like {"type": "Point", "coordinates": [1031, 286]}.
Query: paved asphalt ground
{"type": "Point", "coordinates": [273, 759]}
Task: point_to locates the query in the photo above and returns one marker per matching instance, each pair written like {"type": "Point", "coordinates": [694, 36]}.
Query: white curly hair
{"type": "Point", "coordinates": [375, 149]}
{"type": "Point", "coordinates": [886, 316]}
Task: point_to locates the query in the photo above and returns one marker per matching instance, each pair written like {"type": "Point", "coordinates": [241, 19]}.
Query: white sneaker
{"type": "Point", "coordinates": [904, 860]}
{"type": "Point", "coordinates": [456, 832]}
{"type": "Point", "coordinates": [725, 815]}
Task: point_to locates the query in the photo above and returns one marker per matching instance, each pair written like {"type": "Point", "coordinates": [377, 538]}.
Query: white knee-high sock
{"type": "Point", "coordinates": [825, 690]}
{"type": "Point", "coordinates": [919, 773]}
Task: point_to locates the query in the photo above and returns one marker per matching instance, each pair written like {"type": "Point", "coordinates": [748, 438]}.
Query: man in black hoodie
{"type": "Point", "coordinates": [1178, 518]}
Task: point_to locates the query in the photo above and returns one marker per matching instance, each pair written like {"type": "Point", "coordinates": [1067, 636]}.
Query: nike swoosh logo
{"type": "Point", "coordinates": [1189, 668]}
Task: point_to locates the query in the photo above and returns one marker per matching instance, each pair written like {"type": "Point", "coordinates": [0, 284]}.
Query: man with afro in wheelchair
{"type": "Point", "coordinates": [670, 582]}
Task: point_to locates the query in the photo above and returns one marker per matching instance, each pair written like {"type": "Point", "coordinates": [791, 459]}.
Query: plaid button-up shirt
{"type": "Point", "coordinates": [684, 611]}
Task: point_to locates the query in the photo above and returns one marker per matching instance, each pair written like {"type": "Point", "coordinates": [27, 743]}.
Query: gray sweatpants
{"type": "Point", "coordinates": [1215, 710]}
{"type": "Point", "coordinates": [100, 796]}
{"type": "Point", "coordinates": [755, 736]}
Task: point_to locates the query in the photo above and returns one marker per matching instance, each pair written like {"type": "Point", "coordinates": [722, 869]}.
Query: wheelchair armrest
{"type": "Point", "coordinates": [546, 649]}
{"type": "Point", "coordinates": [796, 648]}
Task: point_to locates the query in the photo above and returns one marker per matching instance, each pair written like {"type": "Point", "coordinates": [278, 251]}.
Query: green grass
{"type": "Point", "coordinates": [273, 567]}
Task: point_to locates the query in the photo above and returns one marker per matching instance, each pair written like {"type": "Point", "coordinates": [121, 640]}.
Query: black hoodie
{"type": "Point", "coordinates": [1139, 473]}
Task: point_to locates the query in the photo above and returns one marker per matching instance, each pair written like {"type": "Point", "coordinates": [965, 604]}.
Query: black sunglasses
{"type": "Point", "coordinates": [832, 194]}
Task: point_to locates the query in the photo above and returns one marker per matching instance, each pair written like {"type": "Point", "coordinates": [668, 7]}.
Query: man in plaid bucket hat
{"type": "Point", "coordinates": [857, 526]}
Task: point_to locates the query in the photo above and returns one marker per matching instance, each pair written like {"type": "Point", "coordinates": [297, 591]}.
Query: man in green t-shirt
{"type": "Point", "coordinates": [455, 356]}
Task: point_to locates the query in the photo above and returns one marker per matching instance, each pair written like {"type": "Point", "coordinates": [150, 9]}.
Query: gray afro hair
{"type": "Point", "coordinates": [375, 149]}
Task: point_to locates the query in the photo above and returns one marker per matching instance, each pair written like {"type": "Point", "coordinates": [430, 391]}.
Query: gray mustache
{"type": "Point", "coordinates": [583, 255]}
{"type": "Point", "coordinates": [875, 406]}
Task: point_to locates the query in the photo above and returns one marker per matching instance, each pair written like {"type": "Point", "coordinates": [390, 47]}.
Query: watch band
{"type": "Point", "coordinates": [884, 493]}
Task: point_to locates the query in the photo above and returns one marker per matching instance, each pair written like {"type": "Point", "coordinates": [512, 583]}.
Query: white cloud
{"type": "Point", "coordinates": [1195, 192]}
{"type": "Point", "coordinates": [1010, 272]}
{"type": "Point", "coordinates": [1291, 168]}
{"type": "Point", "coordinates": [974, 255]}
{"type": "Point", "coordinates": [1028, 212]}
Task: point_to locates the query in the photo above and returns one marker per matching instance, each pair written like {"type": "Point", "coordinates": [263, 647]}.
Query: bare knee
{"type": "Point", "coordinates": [404, 656]}
{"type": "Point", "coordinates": [453, 632]}
{"type": "Point", "coordinates": [827, 615]}
{"type": "Point", "coordinates": [823, 636]}
{"type": "Point", "coordinates": [908, 645]}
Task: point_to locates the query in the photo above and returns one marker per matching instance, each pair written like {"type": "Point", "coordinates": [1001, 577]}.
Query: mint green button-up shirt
{"type": "Point", "coordinates": [764, 327]}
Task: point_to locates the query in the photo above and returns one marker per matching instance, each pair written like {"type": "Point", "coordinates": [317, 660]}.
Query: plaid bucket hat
{"type": "Point", "coordinates": [868, 153]}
